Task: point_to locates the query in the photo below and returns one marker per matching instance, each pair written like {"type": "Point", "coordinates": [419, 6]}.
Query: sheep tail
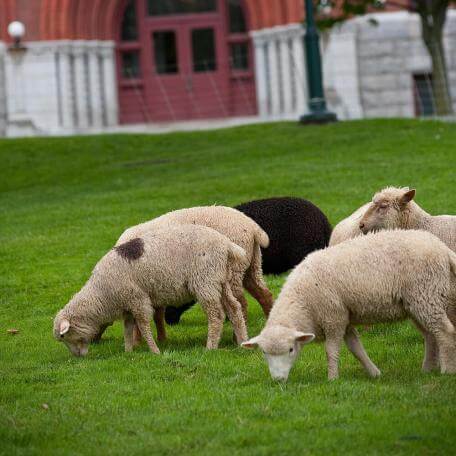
{"type": "Point", "coordinates": [237, 254]}
{"type": "Point", "coordinates": [261, 237]}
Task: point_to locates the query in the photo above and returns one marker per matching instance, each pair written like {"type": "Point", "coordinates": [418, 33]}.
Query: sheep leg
{"type": "Point", "coordinates": [445, 337]}
{"type": "Point", "coordinates": [254, 282]}
{"type": "Point", "coordinates": [137, 338]}
{"type": "Point", "coordinates": [100, 332]}
{"type": "Point", "coordinates": [356, 347]}
{"type": "Point", "coordinates": [159, 319]}
{"type": "Point", "coordinates": [239, 296]}
{"type": "Point", "coordinates": [332, 346]}
{"type": "Point", "coordinates": [431, 351]}
{"type": "Point", "coordinates": [234, 311]}
{"type": "Point", "coordinates": [215, 318]}
{"type": "Point", "coordinates": [142, 316]}
{"type": "Point", "coordinates": [129, 326]}
{"type": "Point", "coordinates": [437, 323]}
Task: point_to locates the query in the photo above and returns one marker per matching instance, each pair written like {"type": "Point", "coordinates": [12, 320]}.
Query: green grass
{"type": "Point", "coordinates": [63, 204]}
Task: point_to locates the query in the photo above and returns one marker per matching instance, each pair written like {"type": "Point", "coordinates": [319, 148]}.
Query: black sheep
{"type": "Point", "coordinates": [295, 227]}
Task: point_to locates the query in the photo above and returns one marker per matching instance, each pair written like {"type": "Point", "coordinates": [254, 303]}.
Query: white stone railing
{"type": "Point", "coordinates": [280, 71]}
{"type": "Point", "coordinates": [57, 87]}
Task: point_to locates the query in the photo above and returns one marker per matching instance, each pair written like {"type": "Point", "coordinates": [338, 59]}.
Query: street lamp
{"type": "Point", "coordinates": [16, 30]}
{"type": "Point", "coordinates": [317, 103]}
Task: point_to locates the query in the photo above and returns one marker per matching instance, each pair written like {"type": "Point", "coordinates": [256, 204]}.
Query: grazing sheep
{"type": "Point", "coordinates": [237, 227]}
{"type": "Point", "coordinates": [165, 267]}
{"type": "Point", "coordinates": [295, 227]}
{"type": "Point", "coordinates": [382, 277]}
{"type": "Point", "coordinates": [348, 228]}
{"type": "Point", "coordinates": [394, 208]}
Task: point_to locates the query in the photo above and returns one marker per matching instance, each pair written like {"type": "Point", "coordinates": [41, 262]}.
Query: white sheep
{"type": "Point", "coordinates": [381, 277]}
{"type": "Point", "coordinates": [166, 267]}
{"type": "Point", "coordinates": [348, 228]}
{"type": "Point", "coordinates": [394, 208]}
{"type": "Point", "coordinates": [237, 227]}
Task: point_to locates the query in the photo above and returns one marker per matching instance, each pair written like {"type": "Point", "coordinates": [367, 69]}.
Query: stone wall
{"type": "Point", "coordinates": [389, 54]}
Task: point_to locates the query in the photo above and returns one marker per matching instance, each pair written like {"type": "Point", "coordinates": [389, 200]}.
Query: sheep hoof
{"type": "Point", "coordinates": [374, 373]}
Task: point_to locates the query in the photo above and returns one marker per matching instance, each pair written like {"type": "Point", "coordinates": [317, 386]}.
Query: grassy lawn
{"type": "Point", "coordinates": [63, 204]}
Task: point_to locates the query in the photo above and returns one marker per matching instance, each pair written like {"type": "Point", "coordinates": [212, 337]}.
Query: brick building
{"type": "Point", "coordinates": [90, 65]}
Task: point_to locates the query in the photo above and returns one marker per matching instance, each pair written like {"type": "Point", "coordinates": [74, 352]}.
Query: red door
{"type": "Point", "coordinates": [188, 80]}
{"type": "Point", "coordinates": [182, 60]}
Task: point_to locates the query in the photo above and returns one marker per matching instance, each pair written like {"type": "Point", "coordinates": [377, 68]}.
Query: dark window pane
{"type": "Point", "coordinates": [237, 18]}
{"type": "Point", "coordinates": [165, 52]}
{"type": "Point", "coordinates": [167, 7]}
{"type": "Point", "coordinates": [424, 100]}
{"type": "Point", "coordinates": [239, 56]}
{"type": "Point", "coordinates": [130, 65]}
{"type": "Point", "coordinates": [203, 48]}
{"type": "Point", "coordinates": [129, 29]}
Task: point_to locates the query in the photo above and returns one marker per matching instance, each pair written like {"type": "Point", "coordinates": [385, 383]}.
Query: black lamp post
{"type": "Point", "coordinates": [317, 103]}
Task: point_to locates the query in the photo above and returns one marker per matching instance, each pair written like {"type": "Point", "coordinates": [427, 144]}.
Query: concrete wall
{"type": "Point", "coordinates": [389, 54]}
{"type": "Point", "coordinates": [60, 87]}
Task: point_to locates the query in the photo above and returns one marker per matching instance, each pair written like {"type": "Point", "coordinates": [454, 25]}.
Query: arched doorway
{"type": "Point", "coordinates": [184, 59]}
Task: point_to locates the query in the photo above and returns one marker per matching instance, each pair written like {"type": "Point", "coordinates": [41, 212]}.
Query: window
{"type": "Point", "coordinates": [424, 96]}
{"type": "Point", "coordinates": [239, 56]}
{"type": "Point", "coordinates": [129, 28]}
{"type": "Point", "coordinates": [238, 39]}
{"type": "Point", "coordinates": [168, 7]}
{"type": "Point", "coordinates": [237, 19]}
{"type": "Point", "coordinates": [130, 65]}
{"type": "Point", "coordinates": [203, 49]}
{"type": "Point", "coordinates": [165, 52]}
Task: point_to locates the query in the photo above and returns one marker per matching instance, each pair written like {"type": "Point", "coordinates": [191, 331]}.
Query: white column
{"type": "Point", "coordinates": [67, 89]}
{"type": "Point", "coordinates": [80, 76]}
{"type": "Point", "coordinates": [15, 78]}
{"type": "Point", "coordinates": [110, 85]}
{"type": "Point", "coordinates": [260, 76]}
{"type": "Point", "coordinates": [95, 87]}
{"type": "Point", "coordinates": [274, 89]}
{"type": "Point", "coordinates": [286, 74]}
{"type": "Point", "coordinates": [300, 73]}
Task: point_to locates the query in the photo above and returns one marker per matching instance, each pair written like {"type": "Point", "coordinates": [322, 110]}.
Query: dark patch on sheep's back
{"type": "Point", "coordinates": [131, 250]}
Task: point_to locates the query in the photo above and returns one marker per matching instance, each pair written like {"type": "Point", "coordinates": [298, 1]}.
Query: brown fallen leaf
{"type": "Point", "coordinates": [13, 331]}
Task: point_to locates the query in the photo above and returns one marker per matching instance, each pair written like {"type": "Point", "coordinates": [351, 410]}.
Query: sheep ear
{"type": "Point", "coordinates": [64, 327]}
{"type": "Point", "coordinates": [252, 343]}
{"type": "Point", "coordinates": [408, 196]}
{"type": "Point", "coordinates": [304, 338]}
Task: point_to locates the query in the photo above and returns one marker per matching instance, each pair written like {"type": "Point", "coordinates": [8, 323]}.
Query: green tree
{"type": "Point", "coordinates": [432, 14]}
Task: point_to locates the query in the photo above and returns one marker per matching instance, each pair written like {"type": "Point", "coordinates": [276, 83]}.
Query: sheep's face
{"type": "Point", "coordinates": [386, 210]}
{"type": "Point", "coordinates": [75, 339]}
{"type": "Point", "coordinates": [281, 347]}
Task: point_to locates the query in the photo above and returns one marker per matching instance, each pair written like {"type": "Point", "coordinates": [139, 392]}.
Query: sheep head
{"type": "Point", "coordinates": [387, 210]}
